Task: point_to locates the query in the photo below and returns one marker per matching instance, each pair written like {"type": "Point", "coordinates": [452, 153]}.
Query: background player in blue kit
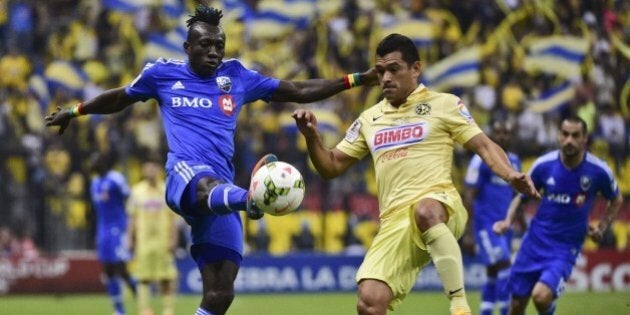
{"type": "Point", "coordinates": [570, 178]}
{"type": "Point", "coordinates": [109, 191]}
{"type": "Point", "coordinates": [487, 198]}
{"type": "Point", "coordinates": [200, 100]}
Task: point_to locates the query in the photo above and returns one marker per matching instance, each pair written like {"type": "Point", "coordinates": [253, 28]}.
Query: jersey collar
{"type": "Point", "coordinates": [386, 107]}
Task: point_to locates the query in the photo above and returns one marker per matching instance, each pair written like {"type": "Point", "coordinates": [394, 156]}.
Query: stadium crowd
{"type": "Point", "coordinates": [530, 62]}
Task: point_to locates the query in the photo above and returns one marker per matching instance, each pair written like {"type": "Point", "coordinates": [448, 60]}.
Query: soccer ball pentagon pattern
{"type": "Point", "coordinates": [277, 188]}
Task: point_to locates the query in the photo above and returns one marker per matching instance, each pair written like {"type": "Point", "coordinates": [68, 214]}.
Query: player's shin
{"type": "Point", "coordinates": [227, 198]}
{"type": "Point", "coordinates": [447, 258]}
{"type": "Point", "coordinates": [144, 292]}
{"type": "Point", "coordinates": [114, 291]}
{"type": "Point", "coordinates": [488, 296]}
{"type": "Point", "coordinates": [503, 291]}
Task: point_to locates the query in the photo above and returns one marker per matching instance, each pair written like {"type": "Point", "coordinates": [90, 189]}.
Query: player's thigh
{"type": "Point", "coordinates": [521, 284]}
{"type": "Point", "coordinates": [394, 258]}
{"type": "Point", "coordinates": [219, 276]}
{"type": "Point", "coordinates": [554, 277]}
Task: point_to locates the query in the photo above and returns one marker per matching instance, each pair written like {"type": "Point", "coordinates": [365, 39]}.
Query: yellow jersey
{"type": "Point", "coordinates": [411, 146]}
{"type": "Point", "coordinates": [154, 221]}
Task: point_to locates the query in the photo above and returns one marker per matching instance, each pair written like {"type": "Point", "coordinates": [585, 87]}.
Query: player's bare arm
{"type": "Point", "coordinates": [596, 232]}
{"type": "Point", "coordinates": [329, 163]}
{"type": "Point", "coordinates": [502, 226]}
{"type": "Point", "coordinates": [317, 89]}
{"type": "Point", "coordinates": [497, 160]}
{"type": "Point", "coordinates": [110, 101]}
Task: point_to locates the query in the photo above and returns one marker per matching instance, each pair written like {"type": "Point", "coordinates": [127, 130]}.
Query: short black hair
{"type": "Point", "coordinates": [575, 119]}
{"type": "Point", "coordinates": [403, 44]}
{"type": "Point", "coordinates": [205, 14]}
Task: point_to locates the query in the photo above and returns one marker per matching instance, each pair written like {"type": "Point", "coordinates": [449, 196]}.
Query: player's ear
{"type": "Point", "coordinates": [186, 47]}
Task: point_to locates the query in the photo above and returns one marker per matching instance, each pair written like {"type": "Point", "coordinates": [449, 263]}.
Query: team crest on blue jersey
{"type": "Point", "coordinates": [585, 183]}
{"type": "Point", "coordinates": [423, 109]}
{"type": "Point", "coordinates": [224, 84]}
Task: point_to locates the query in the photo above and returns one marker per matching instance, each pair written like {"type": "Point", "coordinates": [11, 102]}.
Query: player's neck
{"type": "Point", "coordinates": [572, 162]}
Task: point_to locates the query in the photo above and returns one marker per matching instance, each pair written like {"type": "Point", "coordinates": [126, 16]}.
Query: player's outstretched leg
{"type": "Point", "coordinates": [252, 211]}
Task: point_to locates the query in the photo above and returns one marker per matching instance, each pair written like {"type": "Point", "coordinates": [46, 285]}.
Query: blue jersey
{"type": "Point", "coordinates": [561, 221]}
{"type": "Point", "coordinates": [200, 113]}
{"type": "Point", "coordinates": [493, 193]}
{"type": "Point", "coordinates": [109, 194]}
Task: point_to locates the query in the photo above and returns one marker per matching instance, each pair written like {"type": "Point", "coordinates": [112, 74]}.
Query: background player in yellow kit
{"type": "Point", "coordinates": [410, 135]}
{"type": "Point", "coordinates": [153, 227]}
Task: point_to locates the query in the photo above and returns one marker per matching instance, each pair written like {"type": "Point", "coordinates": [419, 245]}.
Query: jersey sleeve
{"type": "Point", "coordinates": [258, 86]}
{"type": "Point", "coordinates": [354, 143]}
{"type": "Point", "coordinates": [608, 184]}
{"type": "Point", "coordinates": [473, 173]}
{"type": "Point", "coordinates": [459, 121]}
{"type": "Point", "coordinates": [143, 87]}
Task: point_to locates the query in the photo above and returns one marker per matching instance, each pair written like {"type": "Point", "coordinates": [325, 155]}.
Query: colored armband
{"type": "Point", "coordinates": [77, 110]}
{"type": "Point", "coordinates": [352, 80]}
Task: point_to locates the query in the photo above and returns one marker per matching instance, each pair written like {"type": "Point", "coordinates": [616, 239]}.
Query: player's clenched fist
{"type": "Point", "coordinates": [306, 122]}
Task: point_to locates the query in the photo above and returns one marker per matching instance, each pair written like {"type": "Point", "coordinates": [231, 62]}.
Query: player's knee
{"type": "Point", "coordinates": [220, 297]}
{"type": "Point", "coordinates": [542, 299]}
{"type": "Point", "coordinates": [204, 187]}
{"type": "Point", "coordinates": [428, 214]}
{"type": "Point", "coordinates": [374, 298]}
{"type": "Point", "coordinates": [367, 305]}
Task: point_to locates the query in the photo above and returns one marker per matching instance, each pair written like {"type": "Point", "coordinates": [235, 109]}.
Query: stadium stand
{"type": "Point", "coordinates": [528, 61]}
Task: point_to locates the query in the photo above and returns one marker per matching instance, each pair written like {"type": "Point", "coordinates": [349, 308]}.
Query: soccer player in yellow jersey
{"type": "Point", "coordinates": [410, 135]}
{"type": "Point", "coordinates": [153, 228]}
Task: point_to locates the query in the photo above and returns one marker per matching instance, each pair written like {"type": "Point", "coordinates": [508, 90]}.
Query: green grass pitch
{"type": "Point", "coordinates": [301, 304]}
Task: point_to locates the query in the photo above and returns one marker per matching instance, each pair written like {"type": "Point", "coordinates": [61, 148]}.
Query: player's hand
{"type": "Point", "coordinates": [595, 233]}
{"type": "Point", "coordinates": [306, 122]}
{"type": "Point", "coordinates": [59, 118]}
{"type": "Point", "coordinates": [369, 77]}
{"type": "Point", "coordinates": [500, 227]}
{"type": "Point", "coordinates": [524, 184]}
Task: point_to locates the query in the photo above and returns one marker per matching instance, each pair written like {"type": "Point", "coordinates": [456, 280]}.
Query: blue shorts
{"type": "Point", "coordinates": [529, 269]}
{"type": "Point", "coordinates": [492, 247]}
{"type": "Point", "coordinates": [110, 245]}
{"type": "Point", "coordinates": [218, 230]}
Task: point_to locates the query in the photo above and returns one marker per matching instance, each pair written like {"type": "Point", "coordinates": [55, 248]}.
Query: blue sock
{"type": "Point", "coordinates": [502, 291]}
{"type": "Point", "coordinates": [115, 294]}
{"type": "Point", "coordinates": [227, 198]}
{"type": "Point", "coordinates": [551, 310]}
{"type": "Point", "coordinates": [201, 311]}
{"type": "Point", "coordinates": [488, 296]}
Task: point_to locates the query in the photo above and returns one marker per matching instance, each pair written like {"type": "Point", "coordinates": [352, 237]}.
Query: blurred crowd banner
{"type": "Point", "coordinates": [605, 270]}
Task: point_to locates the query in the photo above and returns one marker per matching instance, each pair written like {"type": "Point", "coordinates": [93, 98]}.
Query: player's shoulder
{"type": "Point", "coordinates": [232, 64]}
{"type": "Point", "coordinates": [546, 159]}
{"type": "Point", "coordinates": [598, 163]}
{"type": "Point", "coordinates": [164, 63]}
{"type": "Point", "coordinates": [116, 177]}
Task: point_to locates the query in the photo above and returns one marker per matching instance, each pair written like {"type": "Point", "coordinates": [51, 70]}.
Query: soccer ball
{"type": "Point", "coordinates": [277, 188]}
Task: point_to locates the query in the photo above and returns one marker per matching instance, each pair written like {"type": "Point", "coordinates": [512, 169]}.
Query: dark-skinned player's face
{"type": "Point", "coordinates": [205, 48]}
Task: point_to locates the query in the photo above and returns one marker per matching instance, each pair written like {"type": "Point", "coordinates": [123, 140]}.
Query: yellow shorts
{"type": "Point", "coordinates": [155, 265]}
{"type": "Point", "coordinates": [398, 254]}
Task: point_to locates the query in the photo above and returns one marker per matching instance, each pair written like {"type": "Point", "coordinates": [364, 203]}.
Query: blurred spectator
{"type": "Point", "coordinates": [613, 130]}
{"type": "Point", "coordinates": [6, 242]}
{"type": "Point", "coordinates": [304, 240]}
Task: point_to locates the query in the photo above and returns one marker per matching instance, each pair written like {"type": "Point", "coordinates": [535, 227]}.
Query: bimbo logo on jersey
{"type": "Point", "coordinates": [399, 135]}
{"type": "Point", "coordinates": [194, 102]}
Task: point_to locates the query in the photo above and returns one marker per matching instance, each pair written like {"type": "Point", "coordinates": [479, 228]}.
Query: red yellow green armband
{"type": "Point", "coordinates": [77, 110]}
{"type": "Point", "coordinates": [352, 80]}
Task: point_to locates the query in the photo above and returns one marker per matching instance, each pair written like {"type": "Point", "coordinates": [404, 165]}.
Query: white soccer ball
{"type": "Point", "coordinates": [277, 188]}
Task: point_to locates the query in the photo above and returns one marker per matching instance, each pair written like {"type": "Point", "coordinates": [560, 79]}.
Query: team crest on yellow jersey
{"type": "Point", "coordinates": [423, 109]}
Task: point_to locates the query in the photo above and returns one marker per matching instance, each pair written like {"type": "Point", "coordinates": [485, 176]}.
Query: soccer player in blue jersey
{"type": "Point", "coordinates": [487, 198]}
{"type": "Point", "coordinates": [109, 191]}
{"type": "Point", "coordinates": [570, 180]}
{"type": "Point", "coordinates": [200, 100]}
